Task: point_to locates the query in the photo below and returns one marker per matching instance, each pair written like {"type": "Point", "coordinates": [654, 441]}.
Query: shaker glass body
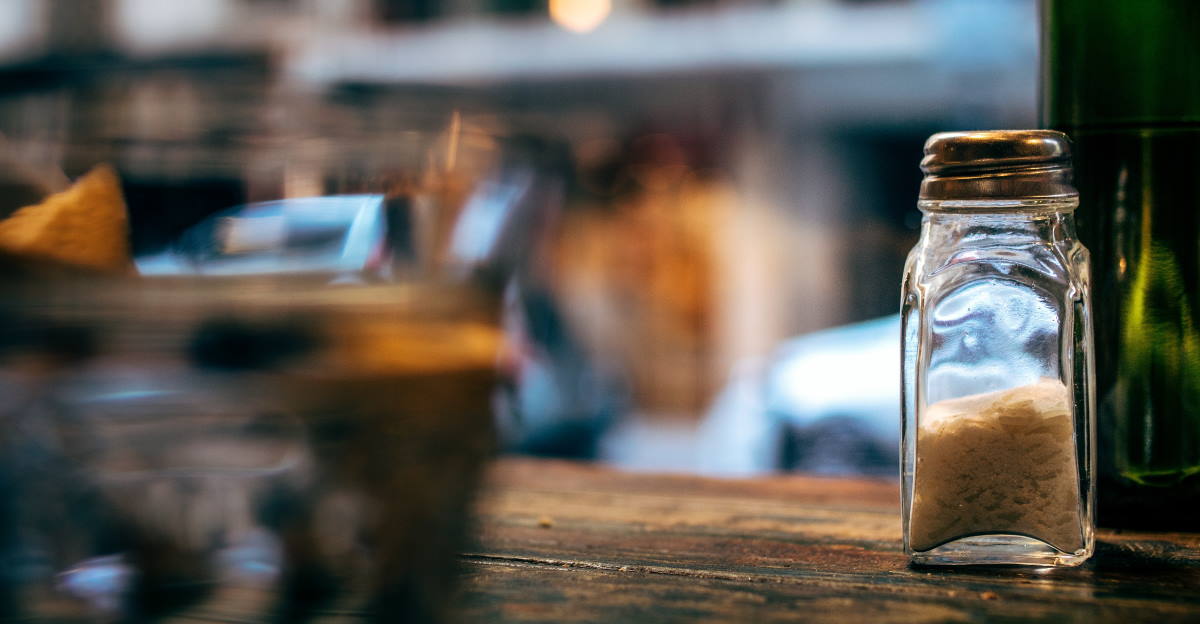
{"type": "Point", "coordinates": [997, 451]}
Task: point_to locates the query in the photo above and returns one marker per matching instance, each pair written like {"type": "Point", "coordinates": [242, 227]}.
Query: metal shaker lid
{"type": "Point", "coordinates": [997, 164]}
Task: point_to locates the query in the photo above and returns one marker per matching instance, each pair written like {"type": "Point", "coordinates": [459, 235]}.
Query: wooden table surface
{"type": "Point", "coordinates": [563, 542]}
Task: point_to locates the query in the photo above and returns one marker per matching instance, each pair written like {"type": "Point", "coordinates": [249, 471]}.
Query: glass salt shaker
{"type": "Point", "coordinates": [997, 442]}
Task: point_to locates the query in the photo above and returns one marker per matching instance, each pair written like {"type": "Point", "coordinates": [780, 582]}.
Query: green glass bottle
{"type": "Point", "coordinates": [1122, 78]}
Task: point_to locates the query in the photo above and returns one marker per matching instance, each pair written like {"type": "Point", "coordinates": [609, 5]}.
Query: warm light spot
{"type": "Point", "coordinates": [579, 15]}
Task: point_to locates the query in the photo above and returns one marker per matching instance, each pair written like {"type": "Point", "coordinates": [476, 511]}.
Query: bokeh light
{"type": "Point", "coordinates": [580, 16]}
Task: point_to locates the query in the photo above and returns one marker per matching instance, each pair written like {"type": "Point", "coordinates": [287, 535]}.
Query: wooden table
{"type": "Point", "coordinates": [563, 542]}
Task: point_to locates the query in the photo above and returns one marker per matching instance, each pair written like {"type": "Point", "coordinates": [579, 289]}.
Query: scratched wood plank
{"type": "Point", "coordinates": [565, 542]}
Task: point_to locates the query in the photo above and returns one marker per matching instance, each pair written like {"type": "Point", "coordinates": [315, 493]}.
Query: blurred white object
{"type": "Point", "coordinates": [22, 34]}
{"type": "Point", "coordinates": [828, 402]}
{"type": "Point", "coordinates": [851, 371]}
{"type": "Point", "coordinates": [738, 437]}
{"type": "Point", "coordinates": [102, 582]}
{"type": "Point", "coordinates": [479, 233]}
{"type": "Point", "coordinates": [156, 26]}
{"type": "Point", "coordinates": [783, 35]}
{"type": "Point", "coordinates": [335, 234]}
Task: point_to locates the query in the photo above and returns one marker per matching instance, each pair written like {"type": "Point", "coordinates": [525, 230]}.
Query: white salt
{"type": "Point", "coordinates": [1001, 462]}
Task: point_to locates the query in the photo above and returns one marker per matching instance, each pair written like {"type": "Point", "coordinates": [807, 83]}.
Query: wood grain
{"type": "Point", "coordinates": [561, 542]}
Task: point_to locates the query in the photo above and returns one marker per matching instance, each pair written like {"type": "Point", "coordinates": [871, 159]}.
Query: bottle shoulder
{"type": "Point", "coordinates": [1058, 265]}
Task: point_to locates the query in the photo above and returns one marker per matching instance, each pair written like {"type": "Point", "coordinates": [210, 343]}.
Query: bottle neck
{"type": "Point", "coordinates": [1009, 222]}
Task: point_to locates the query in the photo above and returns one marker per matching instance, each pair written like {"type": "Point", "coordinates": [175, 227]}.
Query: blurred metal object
{"type": "Point", "coordinates": [338, 234]}
{"type": "Point", "coordinates": [997, 164]}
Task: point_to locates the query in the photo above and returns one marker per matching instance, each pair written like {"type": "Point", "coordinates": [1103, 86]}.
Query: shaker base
{"type": "Point", "coordinates": [1000, 550]}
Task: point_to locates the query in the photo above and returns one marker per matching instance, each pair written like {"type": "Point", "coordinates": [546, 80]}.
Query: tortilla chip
{"type": "Point", "coordinates": [84, 226]}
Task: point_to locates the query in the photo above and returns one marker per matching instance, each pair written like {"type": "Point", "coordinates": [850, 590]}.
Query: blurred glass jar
{"type": "Point", "coordinates": [998, 434]}
{"type": "Point", "coordinates": [289, 410]}
{"type": "Point", "coordinates": [239, 447]}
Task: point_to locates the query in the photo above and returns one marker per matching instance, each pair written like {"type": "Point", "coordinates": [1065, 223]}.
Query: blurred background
{"type": "Point", "coordinates": [697, 211]}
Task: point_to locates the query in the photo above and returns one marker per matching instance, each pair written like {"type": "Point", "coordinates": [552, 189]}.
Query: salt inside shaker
{"type": "Point", "coordinates": [997, 452]}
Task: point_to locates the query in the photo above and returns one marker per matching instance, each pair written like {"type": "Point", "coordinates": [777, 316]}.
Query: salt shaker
{"type": "Point", "coordinates": [997, 444]}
